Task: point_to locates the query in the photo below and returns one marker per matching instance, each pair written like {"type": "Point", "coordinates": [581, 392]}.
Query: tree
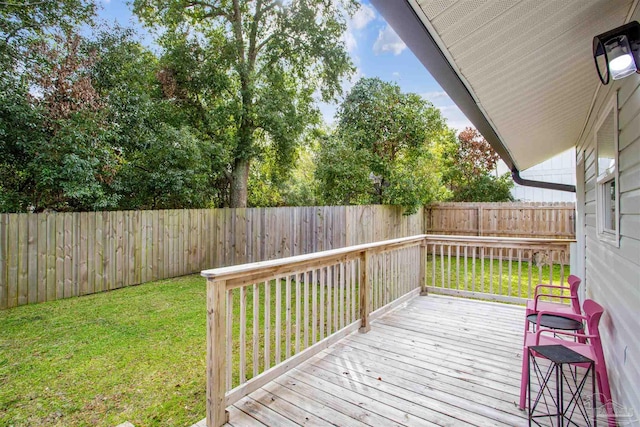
{"type": "Point", "coordinates": [249, 71]}
{"type": "Point", "coordinates": [300, 189]}
{"type": "Point", "coordinates": [88, 128]}
{"type": "Point", "coordinates": [20, 128]}
{"type": "Point", "coordinates": [57, 152]}
{"type": "Point", "coordinates": [24, 29]}
{"type": "Point", "coordinates": [469, 174]}
{"type": "Point", "coordinates": [384, 149]}
{"type": "Point", "coordinates": [25, 22]}
{"type": "Point", "coordinates": [164, 163]}
{"type": "Point", "coordinates": [343, 173]}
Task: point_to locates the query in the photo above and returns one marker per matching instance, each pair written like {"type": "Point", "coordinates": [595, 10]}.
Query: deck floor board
{"type": "Point", "coordinates": [435, 361]}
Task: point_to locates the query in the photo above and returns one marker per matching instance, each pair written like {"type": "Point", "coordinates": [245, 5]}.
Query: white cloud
{"type": "Point", "coordinates": [388, 41]}
{"type": "Point", "coordinates": [328, 112]}
{"type": "Point", "coordinates": [362, 17]}
{"type": "Point", "coordinates": [429, 96]}
{"type": "Point", "coordinates": [349, 41]}
{"type": "Point", "coordinates": [455, 118]}
{"type": "Point", "coordinates": [357, 22]}
{"type": "Point", "coordinates": [395, 74]}
{"type": "Point", "coordinates": [460, 125]}
{"type": "Point", "coordinates": [450, 111]}
{"type": "Point", "coordinates": [446, 108]}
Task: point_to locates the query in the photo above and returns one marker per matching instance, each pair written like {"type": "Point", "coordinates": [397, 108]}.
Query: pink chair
{"type": "Point", "coordinates": [589, 345]}
{"type": "Point", "coordinates": [535, 305]}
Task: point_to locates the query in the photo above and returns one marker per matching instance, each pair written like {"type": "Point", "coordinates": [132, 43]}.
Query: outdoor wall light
{"type": "Point", "coordinates": [616, 52]}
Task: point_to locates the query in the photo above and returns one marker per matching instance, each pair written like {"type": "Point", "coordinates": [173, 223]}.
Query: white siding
{"type": "Point", "coordinates": [613, 273]}
{"type": "Point", "coordinates": [559, 169]}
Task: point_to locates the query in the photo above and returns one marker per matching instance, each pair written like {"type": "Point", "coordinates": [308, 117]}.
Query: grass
{"type": "Point", "coordinates": [496, 278]}
{"type": "Point", "coordinates": [134, 354]}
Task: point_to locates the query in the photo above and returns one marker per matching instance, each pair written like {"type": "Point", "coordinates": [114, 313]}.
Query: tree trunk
{"type": "Point", "coordinates": [242, 155]}
{"type": "Point", "coordinates": [239, 181]}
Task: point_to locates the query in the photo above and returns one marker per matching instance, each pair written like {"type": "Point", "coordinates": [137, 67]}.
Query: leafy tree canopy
{"type": "Point", "coordinates": [385, 148]}
{"type": "Point", "coordinates": [469, 172]}
{"type": "Point", "coordinates": [224, 115]}
{"type": "Point", "coordinates": [250, 71]}
{"type": "Point", "coordinates": [86, 128]}
{"type": "Point", "coordinates": [23, 22]}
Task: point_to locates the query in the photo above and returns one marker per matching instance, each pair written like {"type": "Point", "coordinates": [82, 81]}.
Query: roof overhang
{"type": "Point", "coordinates": [521, 71]}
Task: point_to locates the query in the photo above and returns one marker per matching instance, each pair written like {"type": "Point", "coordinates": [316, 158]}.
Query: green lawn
{"type": "Point", "coordinates": [497, 278]}
{"type": "Point", "coordinates": [134, 354]}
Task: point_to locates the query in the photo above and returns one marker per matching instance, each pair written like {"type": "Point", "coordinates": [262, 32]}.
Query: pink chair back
{"type": "Point", "coordinates": [593, 311]}
{"type": "Point", "coordinates": [574, 284]}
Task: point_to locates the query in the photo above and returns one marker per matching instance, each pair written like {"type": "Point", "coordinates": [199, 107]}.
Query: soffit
{"type": "Point", "coordinates": [528, 64]}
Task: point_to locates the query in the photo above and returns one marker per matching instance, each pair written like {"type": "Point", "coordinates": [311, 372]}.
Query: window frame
{"type": "Point", "coordinates": [604, 178]}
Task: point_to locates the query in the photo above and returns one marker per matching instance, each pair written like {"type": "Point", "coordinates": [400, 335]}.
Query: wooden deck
{"type": "Point", "coordinates": [436, 361]}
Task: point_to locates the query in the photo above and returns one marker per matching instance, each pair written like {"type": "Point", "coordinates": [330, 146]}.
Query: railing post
{"type": "Point", "coordinates": [422, 276]}
{"type": "Point", "coordinates": [364, 292]}
{"type": "Point", "coordinates": [216, 357]}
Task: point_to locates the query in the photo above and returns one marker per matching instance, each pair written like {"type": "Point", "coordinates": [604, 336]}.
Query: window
{"type": "Point", "coordinates": [607, 175]}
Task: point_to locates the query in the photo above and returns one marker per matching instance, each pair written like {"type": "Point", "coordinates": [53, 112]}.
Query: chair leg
{"type": "Point", "coordinates": [524, 379]}
{"type": "Point", "coordinates": [526, 327]}
{"type": "Point", "coordinates": [605, 393]}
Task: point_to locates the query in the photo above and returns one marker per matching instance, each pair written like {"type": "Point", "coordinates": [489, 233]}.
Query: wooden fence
{"type": "Point", "coordinates": [45, 257]}
{"type": "Point", "coordinates": [540, 220]}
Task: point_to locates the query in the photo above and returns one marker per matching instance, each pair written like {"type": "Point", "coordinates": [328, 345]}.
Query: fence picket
{"type": "Point", "coordinates": [4, 219]}
{"type": "Point", "coordinates": [243, 335]}
{"type": "Point", "coordinates": [256, 328]}
{"type": "Point", "coordinates": [41, 242]}
{"type": "Point", "coordinates": [288, 317]}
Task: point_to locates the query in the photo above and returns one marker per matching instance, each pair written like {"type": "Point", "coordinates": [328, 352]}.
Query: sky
{"type": "Point", "coordinates": [375, 49]}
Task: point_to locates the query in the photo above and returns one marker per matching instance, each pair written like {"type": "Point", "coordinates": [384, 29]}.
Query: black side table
{"type": "Point", "coordinates": [559, 356]}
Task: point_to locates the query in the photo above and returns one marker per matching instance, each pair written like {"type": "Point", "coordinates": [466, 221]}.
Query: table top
{"type": "Point", "coordinates": [556, 321]}
{"type": "Point", "coordinates": [559, 354]}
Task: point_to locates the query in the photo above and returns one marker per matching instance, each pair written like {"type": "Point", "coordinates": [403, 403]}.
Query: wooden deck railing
{"type": "Point", "coordinates": [496, 268]}
{"type": "Point", "coordinates": [265, 318]}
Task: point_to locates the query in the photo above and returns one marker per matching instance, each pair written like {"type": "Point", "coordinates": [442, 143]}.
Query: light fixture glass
{"type": "Point", "coordinates": [621, 62]}
{"type": "Point", "coordinates": [616, 52]}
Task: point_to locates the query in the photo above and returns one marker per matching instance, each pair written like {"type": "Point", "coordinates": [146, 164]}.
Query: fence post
{"type": "Point", "coordinates": [216, 357]}
{"type": "Point", "coordinates": [422, 276]}
{"type": "Point", "coordinates": [364, 292]}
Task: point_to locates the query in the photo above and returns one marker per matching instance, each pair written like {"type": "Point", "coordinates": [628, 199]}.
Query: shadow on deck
{"type": "Point", "coordinates": [435, 361]}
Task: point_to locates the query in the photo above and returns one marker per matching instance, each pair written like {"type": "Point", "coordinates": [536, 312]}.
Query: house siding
{"type": "Point", "coordinates": [613, 273]}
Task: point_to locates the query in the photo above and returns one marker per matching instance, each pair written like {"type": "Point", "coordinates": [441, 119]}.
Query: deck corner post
{"type": "Point", "coordinates": [216, 357]}
{"type": "Point", "coordinates": [364, 292]}
{"type": "Point", "coordinates": [422, 276]}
